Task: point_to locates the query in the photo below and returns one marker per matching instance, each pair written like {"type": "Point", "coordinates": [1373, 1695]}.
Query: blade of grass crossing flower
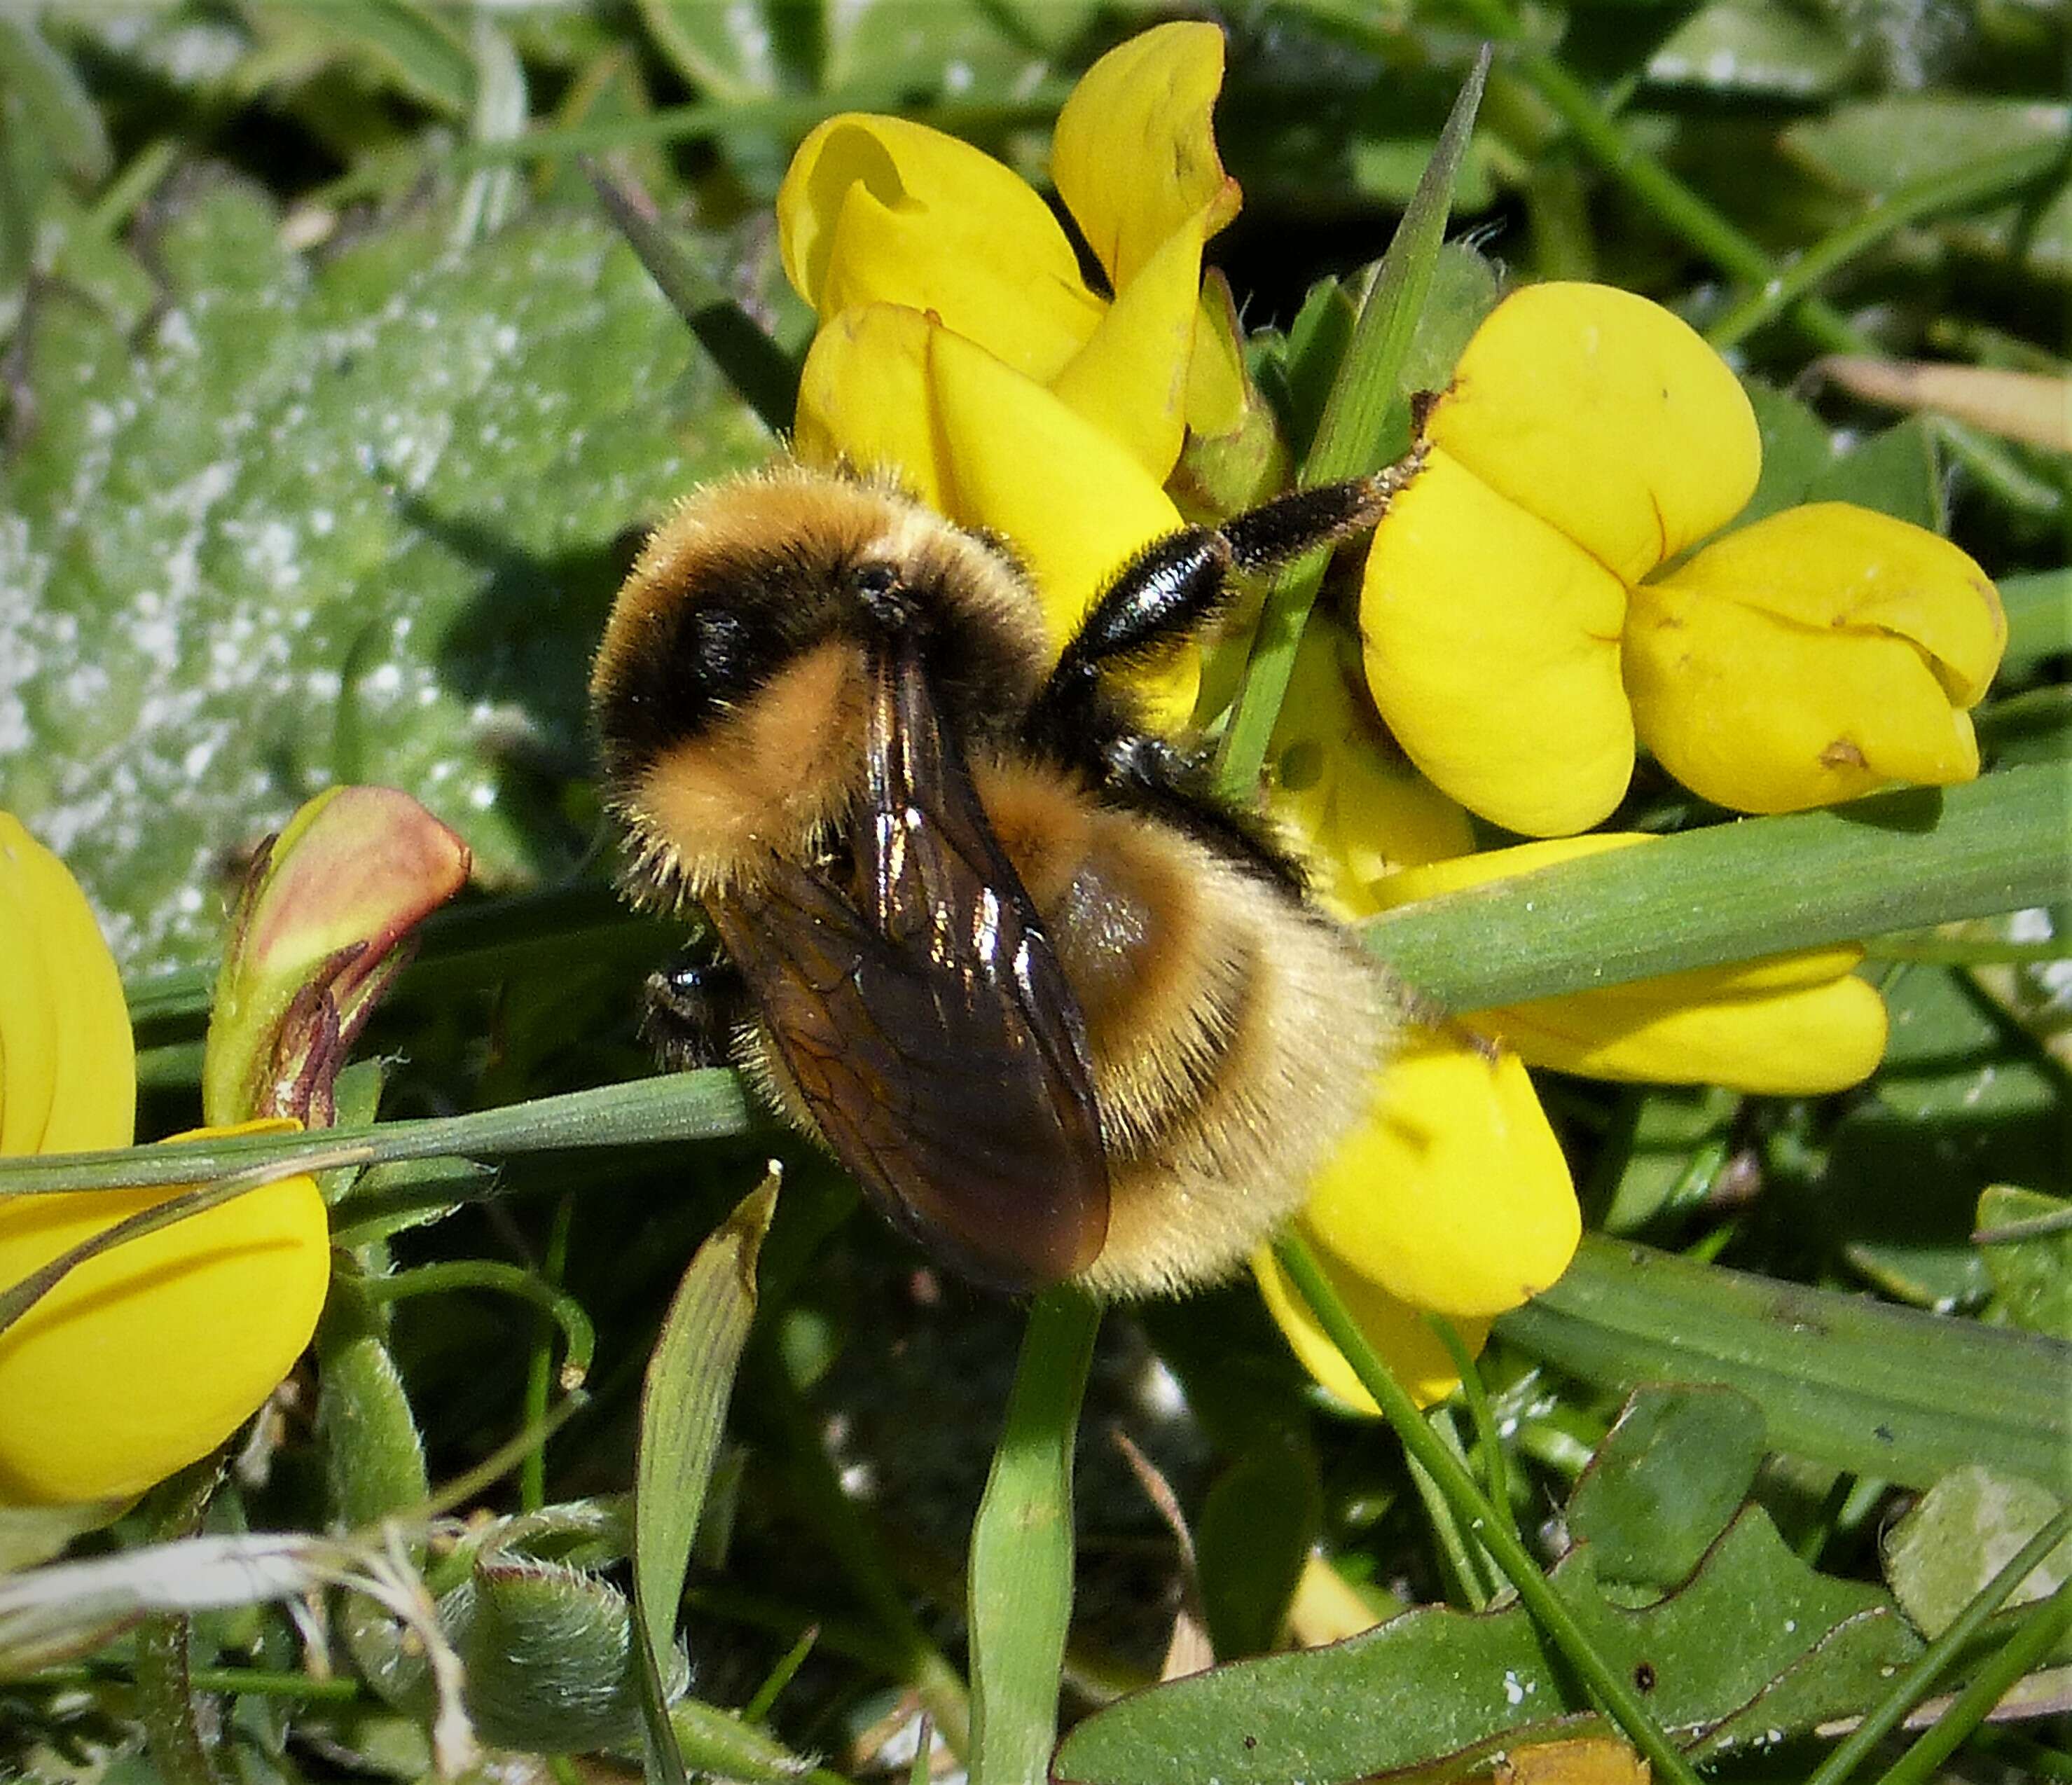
{"type": "Point", "coordinates": [1859, 1384]}
{"type": "Point", "coordinates": [680, 1106]}
{"type": "Point", "coordinates": [1740, 892]}
{"type": "Point", "coordinates": [1603, 1682]}
{"type": "Point", "coordinates": [1021, 1576]}
{"type": "Point", "coordinates": [755, 365]}
{"type": "Point", "coordinates": [1348, 438]}
{"type": "Point", "coordinates": [682, 1411]}
{"type": "Point", "coordinates": [2038, 1634]}
{"type": "Point", "coordinates": [1489, 1441]}
{"type": "Point", "coordinates": [1916, 1682]}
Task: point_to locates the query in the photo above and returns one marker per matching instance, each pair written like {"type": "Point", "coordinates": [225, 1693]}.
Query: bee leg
{"type": "Point", "coordinates": [692, 1008]}
{"type": "Point", "coordinates": [1178, 583]}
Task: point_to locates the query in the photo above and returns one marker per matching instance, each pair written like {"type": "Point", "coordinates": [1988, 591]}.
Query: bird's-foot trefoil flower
{"type": "Point", "coordinates": [959, 350]}
{"type": "Point", "coordinates": [1529, 613]}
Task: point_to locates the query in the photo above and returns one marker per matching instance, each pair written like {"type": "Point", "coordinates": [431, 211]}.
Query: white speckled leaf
{"type": "Point", "coordinates": [356, 519]}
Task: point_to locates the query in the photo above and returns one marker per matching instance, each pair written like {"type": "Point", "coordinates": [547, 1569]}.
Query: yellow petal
{"type": "Point", "coordinates": [1453, 1196]}
{"type": "Point", "coordinates": [1134, 154]}
{"type": "Point", "coordinates": [1408, 1346]}
{"type": "Point", "coordinates": [84, 1053]}
{"type": "Point", "coordinates": [878, 210]}
{"type": "Point", "coordinates": [1717, 1026]}
{"type": "Point", "coordinates": [28, 1013]}
{"type": "Point", "coordinates": [863, 399]}
{"type": "Point", "coordinates": [146, 1357]}
{"type": "Point", "coordinates": [1130, 379]}
{"type": "Point", "coordinates": [1605, 415]}
{"type": "Point", "coordinates": [1492, 647]}
{"type": "Point", "coordinates": [1764, 711]}
{"type": "Point", "coordinates": [1838, 568]}
{"type": "Point", "coordinates": [1074, 504]}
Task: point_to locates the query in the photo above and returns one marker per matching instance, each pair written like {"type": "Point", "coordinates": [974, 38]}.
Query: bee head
{"type": "Point", "coordinates": [731, 688]}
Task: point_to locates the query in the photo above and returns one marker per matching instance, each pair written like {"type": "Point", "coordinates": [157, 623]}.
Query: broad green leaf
{"type": "Point", "coordinates": [1756, 1643]}
{"type": "Point", "coordinates": [1257, 1527]}
{"type": "Point", "coordinates": [2039, 613]}
{"type": "Point", "coordinates": [1886, 1392]}
{"type": "Point", "coordinates": [1796, 449]}
{"type": "Point", "coordinates": [424, 53]}
{"type": "Point", "coordinates": [735, 52]}
{"type": "Point", "coordinates": [1746, 48]}
{"type": "Point", "coordinates": [1895, 471]}
{"type": "Point", "coordinates": [1665, 1482]}
{"type": "Point", "coordinates": [1961, 1533]}
{"type": "Point", "coordinates": [1019, 1589]}
{"type": "Point", "coordinates": [683, 1413]}
{"type": "Point", "coordinates": [374, 1459]}
{"type": "Point", "coordinates": [375, 498]}
{"type": "Point", "coordinates": [1963, 1101]}
{"type": "Point", "coordinates": [2032, 1277]}
{"type": "Point", "coordinates": [951, 48]}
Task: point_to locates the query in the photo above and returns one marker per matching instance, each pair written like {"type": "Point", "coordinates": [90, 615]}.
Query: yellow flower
{"type": "Point", "coordinates": [1452, 1198]}
{"type": "Point", "coordinates": [1522, 630]}
{"type": "Point", "coordinates": [146, 1357]}
{"type": "Point", "coordinates": [959, 348]}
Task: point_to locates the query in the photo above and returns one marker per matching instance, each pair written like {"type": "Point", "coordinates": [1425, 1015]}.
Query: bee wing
{"type": "Point", "coordinates": [925, 1019]}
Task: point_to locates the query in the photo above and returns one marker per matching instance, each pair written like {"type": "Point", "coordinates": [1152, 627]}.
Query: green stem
{"type": "Point", "coordinates": [1952, 190]}
{"type": "Point", "coordinates": [1605, 1683]}
{"type": "Point", "coordinates": [1488, 1443]}
{"type": "Point", "coordinates": [540, 1369]}
{"type": "Point", "coordinates": [181, 1753]}
{"type": "Point", "coordinates": [577, 1334]}
{"type": "Point", "coordinates": [2038, 1634]}
{"type": "Point", "coordinates": [1021, 1584]}
{"type": "Point", "coordinates": [1915, 1684]}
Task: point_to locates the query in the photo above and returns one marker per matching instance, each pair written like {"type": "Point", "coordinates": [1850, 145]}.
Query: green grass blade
{"type": "Point", "coordinates": [1741, 891]}
{"type": "Point", "coordinates": [1349, 437]}
{"type": "Point", "coordinates": [683, 1413]}
{"type": "Point", "coordinates": [1843, 1379]}
{"type": "Point", "coordinates": [1020, 1583]}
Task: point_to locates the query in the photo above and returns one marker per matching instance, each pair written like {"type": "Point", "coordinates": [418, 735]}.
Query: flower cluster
{"type": "Point", "coordinates": [1528, 613]}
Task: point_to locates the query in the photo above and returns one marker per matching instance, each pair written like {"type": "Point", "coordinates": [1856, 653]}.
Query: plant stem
{"type": "Point", "coordinates": [1605, 1683]}
{"type": "Point", "coordinates": [1954, 189]}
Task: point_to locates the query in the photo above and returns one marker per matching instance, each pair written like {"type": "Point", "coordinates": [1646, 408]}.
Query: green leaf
{"type": "Point", "coordinates": [1959, 1534]}
{"type": "Point", "coordinates": [1756, 1643]}
{"type": "Point", "coordinates": [1257, 1529]}
{"type": "Point", "coordinates": [1886, 1392]}
{"type": "Point", "coordinates": [421, 51]}
{"type": "Point", "coordinates": [1667, 1481]}
{"type": "Point", "coordinates": [1963, 1101]}
{"type": "Point", "coordinates": [733, 53]}
{"type": "Point", "coordinates": [683, 1413]}
{"type": "Point", "coordinates": [1895, 471]}
{"type": "Point", "coordinates": [1676, 1141]}
{"type": "Point", "coordinates": [2032, 1277]}
{"type": "Point", "coordinates": [401, 465]}
{"type": "Point", "coordinates": [2039, 616]}
{"type": "Point", "coordinates": [1746, 48]}
{"type": "Point", "coordinates": [1020, 1586]}
{"type": "Point", "coordinates": [54, 102]}
{"type": "Point", "coordinates": [1796, 449]}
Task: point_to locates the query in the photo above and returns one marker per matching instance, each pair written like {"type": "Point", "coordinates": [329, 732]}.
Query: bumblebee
{"type": "Point", "coordinates": [1061, 1009]}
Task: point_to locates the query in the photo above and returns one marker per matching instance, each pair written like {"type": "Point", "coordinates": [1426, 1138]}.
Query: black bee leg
{"type": "Point", "coordinates": [1176, 584]}
{"type": "Point", "coordinates": [692, 1007]}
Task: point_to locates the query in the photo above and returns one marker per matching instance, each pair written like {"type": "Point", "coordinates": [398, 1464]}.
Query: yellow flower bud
{"type": "Point", "coordinates": [146, 1357]}
{"type": "Point", "coordinates": [1814, 656]}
